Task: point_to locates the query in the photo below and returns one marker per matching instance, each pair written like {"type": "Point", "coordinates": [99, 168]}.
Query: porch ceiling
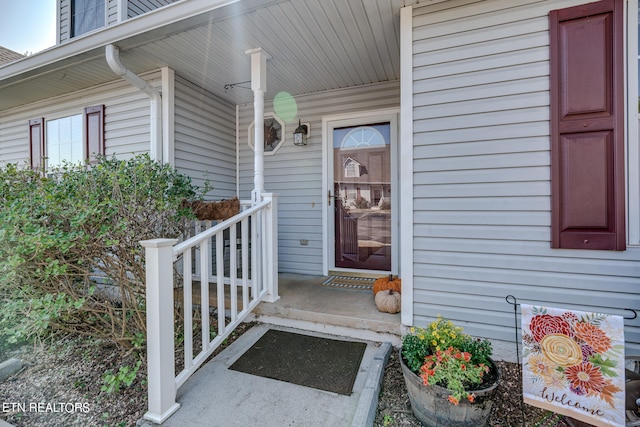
{"type": "Point", "coordinates": [314, 46]}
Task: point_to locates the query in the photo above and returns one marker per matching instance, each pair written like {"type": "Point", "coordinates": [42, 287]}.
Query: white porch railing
{"type": "Point", "coordinates": [251, 242]}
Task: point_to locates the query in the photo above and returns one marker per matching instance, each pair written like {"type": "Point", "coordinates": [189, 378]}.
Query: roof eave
{"type": "Point", "coordinates": [88, 45]}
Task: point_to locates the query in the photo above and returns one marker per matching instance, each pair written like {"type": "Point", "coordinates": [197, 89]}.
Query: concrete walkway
{"type": "Point", "coordinates": [217, 396]}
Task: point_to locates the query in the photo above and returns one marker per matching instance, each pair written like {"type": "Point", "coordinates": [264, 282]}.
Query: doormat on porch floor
{"type": "Point", "coordinates": [321, 363]}
{"type": "Point", "coordinates": [349, 282]}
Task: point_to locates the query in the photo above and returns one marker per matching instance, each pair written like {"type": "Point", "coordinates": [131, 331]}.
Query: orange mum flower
{"type": "Point", "coordinates": [585, 376]}
{"type": "Point", "coordinates": [471, 398]}
{"type": "Point", "coordinates": [593, 336]}
{"type": "Point", "coordinates": [453, 400]}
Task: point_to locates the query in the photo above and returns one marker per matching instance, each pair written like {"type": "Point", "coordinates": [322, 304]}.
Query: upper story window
{"type": "Point", "coordinates": [86, 15]}
{"type": "Point", "coordinates": [64, 140]}
{"type": "Point", "coordinates": [351, 169]}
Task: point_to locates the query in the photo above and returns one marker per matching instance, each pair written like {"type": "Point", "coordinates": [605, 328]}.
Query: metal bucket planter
{"type": "Point", "coordinates": [431, 406]}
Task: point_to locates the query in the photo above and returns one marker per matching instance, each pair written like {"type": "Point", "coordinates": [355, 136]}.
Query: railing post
{"type": "Point", "coordinates": [270, 257]}
{"type": "Point", "coordinates": [160, 345]}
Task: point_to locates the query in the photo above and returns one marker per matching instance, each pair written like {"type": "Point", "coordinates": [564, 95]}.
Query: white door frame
{"type": "Point", "coordinates": [329, 123]}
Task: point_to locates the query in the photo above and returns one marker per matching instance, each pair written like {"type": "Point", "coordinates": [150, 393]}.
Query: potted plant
{"type": "Point", "coordinates": [450, 375]}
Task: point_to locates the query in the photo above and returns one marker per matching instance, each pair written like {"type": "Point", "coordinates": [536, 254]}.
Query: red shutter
{"type": "Point", "coordinates": [94, 131]}
{"type": "Point", "coordinates": [36, 143]}
{"type": "Point", "coordinates": [587, 127]}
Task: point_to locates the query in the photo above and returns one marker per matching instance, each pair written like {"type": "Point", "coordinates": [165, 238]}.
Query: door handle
{"type": "Point", "coordinates": [329, 196]}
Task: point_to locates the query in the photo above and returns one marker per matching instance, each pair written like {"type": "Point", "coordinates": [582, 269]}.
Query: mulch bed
{"type": "Point", "coordinates": [394, 408]}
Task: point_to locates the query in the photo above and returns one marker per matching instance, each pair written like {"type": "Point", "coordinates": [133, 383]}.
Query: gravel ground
{"type": "Point", "coordinates": [67, 375]}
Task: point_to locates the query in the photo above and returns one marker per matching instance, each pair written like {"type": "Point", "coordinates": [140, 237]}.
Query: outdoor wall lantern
{"type": "Point", "coordinates": [301, 134]}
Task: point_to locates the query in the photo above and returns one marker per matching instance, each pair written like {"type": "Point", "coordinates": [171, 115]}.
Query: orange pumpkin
{"type": "Point", "coordinates": [387, 282]}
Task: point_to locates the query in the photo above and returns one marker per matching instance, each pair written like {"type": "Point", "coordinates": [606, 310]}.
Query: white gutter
{"type": "Point", "coordinates": [112, 55]}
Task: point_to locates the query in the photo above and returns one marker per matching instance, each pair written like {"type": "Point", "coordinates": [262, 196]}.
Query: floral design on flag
{"type": "Point", "coordinates": [575, 361]}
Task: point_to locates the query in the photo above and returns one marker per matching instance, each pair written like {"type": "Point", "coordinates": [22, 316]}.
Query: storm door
{"type": "Point", "coordinates": [361, 193]}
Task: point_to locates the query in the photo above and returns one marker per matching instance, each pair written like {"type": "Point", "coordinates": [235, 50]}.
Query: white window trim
{"type": "Point", "coordinates": [632, 118]}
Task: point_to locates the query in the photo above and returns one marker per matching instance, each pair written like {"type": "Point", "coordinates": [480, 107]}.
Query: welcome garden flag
{"type": "Point", "coordinates": [573, 364]}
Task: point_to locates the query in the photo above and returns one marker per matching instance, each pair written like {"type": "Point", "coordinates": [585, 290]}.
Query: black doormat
{"type": "Point", "coordinates": [321, 363]}
{"type": "Point", "coordinates": [349, 282]}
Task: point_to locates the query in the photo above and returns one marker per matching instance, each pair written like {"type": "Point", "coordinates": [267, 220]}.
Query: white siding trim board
{"type": "Point", "coordinates": [406, 151]}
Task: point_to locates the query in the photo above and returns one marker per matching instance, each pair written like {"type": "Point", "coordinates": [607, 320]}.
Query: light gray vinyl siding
{"type": "Point", "coordinates": [138, 7]}
{"type": "Point", "coordinates": [482, 175]}
{"type": "Point", "coordinates": [126, 119]}
{"type": "Point", "coordinates": [112, 12]}
{"type": "Point", "coordinates": [205, 142]}
{"type": "Point", "coordinates": [295, 172]}
{"type": "Point", "coordinates": [65, 20]}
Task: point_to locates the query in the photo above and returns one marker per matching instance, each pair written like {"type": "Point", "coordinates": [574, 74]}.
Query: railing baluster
{"type": "Point", "coordinates": [255, 244]}
{"type": "Point", "coordinates": [204, 292]}
{"type": "Point", "coordinates": [187, 300]}
{"type": "Point", "coordinates": [220, 280]}
{"type": "Point", "coordinates": [244, 230]}
{"type": "Point", "coordinates": [210, 258]}
{"type": "Point", "coordinates": [197, 229]}
{"type": "Point", "coordinates": [233, 272]}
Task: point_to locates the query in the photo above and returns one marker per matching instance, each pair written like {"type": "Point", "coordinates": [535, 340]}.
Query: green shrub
{"type": "Point", "coordinates": [125, 376]}
{"type": "Point", "coordinates": [70, 257]}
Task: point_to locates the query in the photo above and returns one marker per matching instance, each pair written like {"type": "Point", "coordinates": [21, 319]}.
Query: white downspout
{"type": "Point", "coordinates": [112, 55]}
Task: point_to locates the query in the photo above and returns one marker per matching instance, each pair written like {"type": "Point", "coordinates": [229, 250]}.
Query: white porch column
{"type": "Point", "coordinates": [259, 87]}
{"type": "Point", "coordinates": [160, 346]}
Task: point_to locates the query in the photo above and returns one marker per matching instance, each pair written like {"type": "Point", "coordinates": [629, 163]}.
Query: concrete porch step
{"type": "Point", "coordinates": [306, 304]}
